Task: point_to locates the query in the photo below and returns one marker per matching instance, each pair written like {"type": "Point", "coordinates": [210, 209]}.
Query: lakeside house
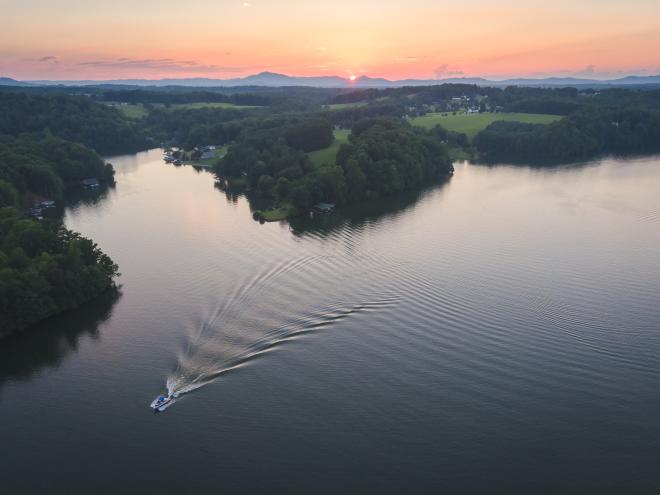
{"type": "Point", "coordinates": [43, 204]}
{"type": "Point", "coordinates": [39, 204]}
{"type": "Point", "coordinates": [36, 213]}
{"type": "Point", "coordinates": [323, 207]}
{"type": "Point", "coordinates": [91, 183]}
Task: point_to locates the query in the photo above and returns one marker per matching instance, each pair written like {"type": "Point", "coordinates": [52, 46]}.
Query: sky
{"type": "Point", "coordinates": [396, 39]}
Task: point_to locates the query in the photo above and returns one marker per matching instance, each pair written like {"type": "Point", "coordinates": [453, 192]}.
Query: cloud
{"type": "Point", "coordinates": [49, 59]}
{"type": "Point", "coordinates": [410, 59]}
{"type": "Point", "coordinates": [166, 64]}
{"type": "Point", "coordinates": [446, 70]}
{"type": "Point", "coordinates": [589, 70]}
{"type": "Point", "coordinates": [323, 66]}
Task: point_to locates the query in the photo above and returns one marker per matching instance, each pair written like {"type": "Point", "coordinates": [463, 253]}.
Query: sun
{"type": "Point", "coordinates": [352, 78]}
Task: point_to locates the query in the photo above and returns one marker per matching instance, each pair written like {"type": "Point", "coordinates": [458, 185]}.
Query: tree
{"type": "Point", "coordinates": [310, 135]}
{"type": "Point", "coordinates": [265, 185]}
{"type": "Point", "coordinates": [48, 269]}
{"type": "Point", "coordinates": [8, 194]}
{"type": "Point", "coordinates": [332, 183]}
{"type": "Point", "coordinates": [282, 188]}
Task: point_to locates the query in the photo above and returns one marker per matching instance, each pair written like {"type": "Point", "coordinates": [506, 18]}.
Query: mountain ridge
{"type": "Point", "coordinates": [273, 79]}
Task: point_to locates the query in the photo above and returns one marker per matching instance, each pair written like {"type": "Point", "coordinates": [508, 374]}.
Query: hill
{"type": "Point", "coordinates": [272, 79]}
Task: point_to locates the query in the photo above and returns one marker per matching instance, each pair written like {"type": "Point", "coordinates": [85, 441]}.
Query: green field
{"type": "Point", "coordinates": [209, 162]}
{"type": "Point", "coordinates": [328, 155]}
{"type": "Point", "coordinates": [138, 110]}
{"type": "Point", "coordinates": [281, 212]}
{"type": "Point", "coordinates": [133, 111]}
{"type": "Point", "coordinates": [341, 106]}
{"type": "Point", "coordinates": [472, 124]}
{"type": "Point", "coordinates": [188, 106]}
{"type": "Point", "coordinates": [458, 154]}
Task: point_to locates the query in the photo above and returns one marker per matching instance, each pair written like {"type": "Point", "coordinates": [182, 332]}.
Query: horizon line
{"type": "Point", "coordinates": [347, 79]}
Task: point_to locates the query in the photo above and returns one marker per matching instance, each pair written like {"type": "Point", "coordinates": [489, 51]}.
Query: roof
{"type": "Point", "coordinates": [324, 206]}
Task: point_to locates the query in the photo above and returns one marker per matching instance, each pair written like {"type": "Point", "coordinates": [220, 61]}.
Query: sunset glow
{"type": "Point", "coordinates": [75, 39]}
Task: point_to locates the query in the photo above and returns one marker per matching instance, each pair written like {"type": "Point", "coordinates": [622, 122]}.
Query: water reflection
{"type": "Point", "coordinates": [49, 343]}
{"type": "Point", "coordinates": [231, 195]}
{"type": "Point", "coordinates": [88, 197]}
{"type": "Point", "coordinates": [359, 214]}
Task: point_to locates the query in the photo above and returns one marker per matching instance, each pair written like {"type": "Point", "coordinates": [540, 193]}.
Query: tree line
{"type": "Point", "coordinates": [44, 268]}
{"type": "Point", "coordinates": [584, 135]}
{"type": "Point", "coordinates": [383, 157]}
{"type": "Point", "coordinates": [181, 97]}
{"type": "Point", "coordinates": [45, 167]}
{"type": "Point", "coordinates": [72, 118]}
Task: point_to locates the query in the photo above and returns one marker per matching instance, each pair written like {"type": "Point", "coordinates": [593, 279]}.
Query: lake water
{"type": "Point", "coordinates": [499, 333]}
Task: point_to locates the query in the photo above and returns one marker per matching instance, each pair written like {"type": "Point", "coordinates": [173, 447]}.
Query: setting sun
{"type": "Point", "coordinates": [352, 78]}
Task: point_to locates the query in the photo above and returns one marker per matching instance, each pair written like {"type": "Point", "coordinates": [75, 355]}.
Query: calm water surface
{"type": "Point", "coordinates": [496, 334]}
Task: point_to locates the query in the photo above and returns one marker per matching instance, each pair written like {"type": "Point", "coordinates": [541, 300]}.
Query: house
{"type": "Point", "coordinates": [36, 213]}
{"type": "Point", "coordinates": [43, 204]}
{"type": "Point", "coordinates": [91, 183]}
{"type": "Point", "coordinates": [323, 207]}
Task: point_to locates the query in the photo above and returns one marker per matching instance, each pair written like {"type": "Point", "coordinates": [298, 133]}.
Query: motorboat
{"type": "Point", "coordinates": [162, 402]}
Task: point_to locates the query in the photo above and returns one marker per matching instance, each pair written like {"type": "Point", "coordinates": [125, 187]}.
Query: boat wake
{"type": "Point", "coordinates": [274, 307]}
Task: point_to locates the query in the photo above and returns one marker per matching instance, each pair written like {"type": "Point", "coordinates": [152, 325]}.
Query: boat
{"type": "Point", "coordinates": [162, 402]}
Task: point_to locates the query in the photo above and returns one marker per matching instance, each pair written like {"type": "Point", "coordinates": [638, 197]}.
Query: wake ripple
{"type": "Point", "coordinates": [283, 302]}
{"type": "Point", "coordinates": [181, 383]}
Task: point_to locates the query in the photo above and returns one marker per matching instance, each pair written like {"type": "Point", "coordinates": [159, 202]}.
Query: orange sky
{"type": "Point", "coordinates": [76, 39]}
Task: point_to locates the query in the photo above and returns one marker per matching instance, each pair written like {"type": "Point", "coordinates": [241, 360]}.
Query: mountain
{"type": "Point", "coordinates": [638, 80]}
{"type": "Point", "coordinates": [272, 79]}
{"type": "Point", "coordinates": [6, 81]}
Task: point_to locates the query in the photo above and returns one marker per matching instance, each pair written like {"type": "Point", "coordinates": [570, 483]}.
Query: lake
{"type": "Point", "coordinates": [499, 333]}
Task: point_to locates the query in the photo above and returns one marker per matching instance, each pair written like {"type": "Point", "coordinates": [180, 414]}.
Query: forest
{"type": "Point", "coordinates": [583, 135]}
{"type": "Point", "coordinates": [45, 167]}
{"type": "Point", "coordinates": [46, 269]}
{"type": "Point", "coordinates": [384, 156]}
{"type": "Point", "coordinates": [73, 118]}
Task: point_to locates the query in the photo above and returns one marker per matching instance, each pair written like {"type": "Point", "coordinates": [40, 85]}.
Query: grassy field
{"type": "Point", "coordinates": [341, 106]}
{"type": "Point", "coordinates": [281, 212]}
{"type": "Point", "coordinates": [328, 155]}
{"type": "Point", "coordinates": [138, 111]}
{"type": "Point", "coordinates": [133, 111]}
{"type": "Point", "coordinates": [472, 124]}
{"type": "Point", "coordinates": [458, 154]}
{"type": "Point", "coordinates": [188, 106]}
{"type": "Point", "coordinates": [210, 162]}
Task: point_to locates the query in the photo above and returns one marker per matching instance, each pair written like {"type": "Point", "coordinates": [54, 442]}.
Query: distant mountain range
{"type": "Point", "coordinates": [6, 81]}
{"type": "Point", "coordinates": [272, 79]}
